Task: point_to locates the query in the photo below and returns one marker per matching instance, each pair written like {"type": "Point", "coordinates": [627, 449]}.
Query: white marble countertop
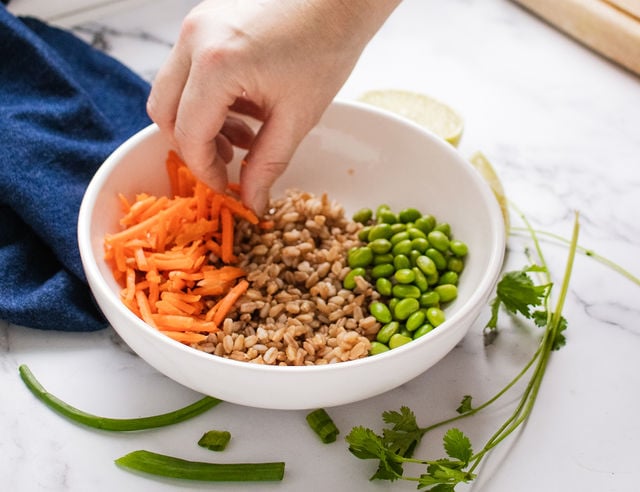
{"type": "Point", "coordinates": [562, 127]}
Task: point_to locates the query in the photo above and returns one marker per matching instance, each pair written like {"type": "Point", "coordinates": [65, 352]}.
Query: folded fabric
{"type": "Point", "coordinates": [64, 107]}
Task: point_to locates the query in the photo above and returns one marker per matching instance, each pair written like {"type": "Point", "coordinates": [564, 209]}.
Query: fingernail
{"type": "Point", "coordinates": [260, 200]}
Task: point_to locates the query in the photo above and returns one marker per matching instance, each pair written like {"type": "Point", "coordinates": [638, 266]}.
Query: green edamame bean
{"type": "Point", "coordinates": [360, 257]}
{"type": "Point", "coordinates": [392, 303]}
{"type": "Point", "coordinates": [405, 332]}
{"type": "Point", "coordinates": [448, 277]}
{"type": "Point", "coordinates": [384, 270]}
{"type": "Point", "coordinates": [419, 244]}
{"type": "Point", "coordinates": [380, 311]}
{"type": "Point", "coordinates": [437, 257]}
{"type": "Point", "coordinates": [398, 227]}
{"type": "Point", "coordinates": [363, 234]}
{"type": "Point", "coordinates": [438, 240]}
{"type": "Point", "coordinates": [445, 228]}
{"type": "Point", "coordinates": [380, 245]}
{"type": "Point", "coordinates": [402, 247]}
{"type": "Point", "coordinates": [429, 299]}
{"type": "Point", "coordinates": [387, 216]}
{"type": "Point", "coordinates": [447, 292]}
{"type": "Point", "coordinates": [363, 215]}
{"type": "Point", "coordinates": [433, 279]}
{"type": "Point", "coordinates": [435, 316]}
{"type": "Point", "coordinates": [413, 257]}
{"type": "Point", "coordinates": [415, 233]}
{"type": "Point", "coordinates": [420, 280]}
{"type": "Point", "coordinates": [384, 286]}
{"type": "Point", "coordinates": [378, 348]}
{"type": "Point", "coordinates": [382, 207]}
{"type": "Point", "coordinates": [423, 330]}
{"type": "Point", "coordinates": [426, 264]}
{"type": "Point", "coordinates": [387, 331]}
{"type": "Point", "coordinates": [455, 264]}
{"type": "Point", "coordinates": [426, 223]}
{"type": "Point", "coordinates": [382, 259]}
{"type": "Point", "coordinates": [397, 340]}
{"type": "Point", "coordinates": [404, 276]}
{"type": "Point", "coordinates": [349, 281]}
{"type": "Point", "coordinates": [380, 231]}
{"type": "Point", "coordinates": [409, 215]}
{"type": "Point", "coordinates": [401, 261]}
{"type": "Point", "coordinates": [458, 248]}
{"type": "Point", "coordinates": [399, 236]}
{"type": "Point", "coordinates": [402, 291]}
{"type": "Point", "coordinates": [405, 308]}
{"type": "Point", "coordinates": [416, 320]}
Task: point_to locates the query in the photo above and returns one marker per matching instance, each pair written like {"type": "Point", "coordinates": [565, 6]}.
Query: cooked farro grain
{"type": "Point", "coordinates": [296, 311]}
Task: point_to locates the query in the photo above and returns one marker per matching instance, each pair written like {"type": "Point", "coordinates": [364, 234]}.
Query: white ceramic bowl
{"type": "Point", "coordinates": [362, 157]}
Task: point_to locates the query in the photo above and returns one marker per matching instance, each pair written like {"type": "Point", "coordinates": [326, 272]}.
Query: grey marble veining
{"type": "Point", "coordinates": [561, 126]}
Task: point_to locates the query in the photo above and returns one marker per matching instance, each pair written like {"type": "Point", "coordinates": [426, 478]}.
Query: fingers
{"type": "Point", "coordinates": [166, 91]}
{"type": "Point", "coordinates": [234, 132]}
{"type": "Point", "coordinates": [272, 150]}
{"type": "Point", "coordinates": [199, 121]}
{"type": "Point", "coordinates": [238, 132]}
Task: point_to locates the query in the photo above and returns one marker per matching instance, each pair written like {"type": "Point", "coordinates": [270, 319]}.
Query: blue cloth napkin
{"type": "Point", "coordinates": [64, 107]}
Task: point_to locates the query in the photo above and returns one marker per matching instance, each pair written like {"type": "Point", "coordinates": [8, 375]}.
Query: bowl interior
{"type": "Point", "coordinates": [360, 157]}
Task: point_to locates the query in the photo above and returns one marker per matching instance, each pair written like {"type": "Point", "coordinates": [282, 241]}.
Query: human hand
{"type": "Point", "coordinates": [280, 62]}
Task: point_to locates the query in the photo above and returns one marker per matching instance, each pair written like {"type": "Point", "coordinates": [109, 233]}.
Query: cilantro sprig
{"type": "Point", "coordinates": [518, 295]}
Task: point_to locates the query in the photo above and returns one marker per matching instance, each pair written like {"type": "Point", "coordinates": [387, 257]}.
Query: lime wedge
{"type": "Point", "coordinates": [421, 109]}
{"type": "Point", "coordinates": [484, 167]}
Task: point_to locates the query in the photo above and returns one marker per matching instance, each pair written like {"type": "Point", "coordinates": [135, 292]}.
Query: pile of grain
{"type": "Point", "coordinates": [296, 311]}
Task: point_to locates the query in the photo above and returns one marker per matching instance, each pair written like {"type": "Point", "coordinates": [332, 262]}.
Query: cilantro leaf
{"type": "Point", "coordinates": [492, 324]}
{"type": "Point", "coordinates": [457, 445]}
{"type": "Point", "coordinates": [560, 340]}
{"type": "Point", "coordinates": [366, 444]}
{"type": "Point", "coordinates": [443, 475]}
{"type": "Point", "coordinates": [540, 317]}
{"type": "Point", "coordinates": [465, 405]}
{"type": "Point", "coordinates": [518, 293]}
{"type": "Point", "coordinates": [442, 487]}
{"type": "Point", "coordinates": [405, 434]}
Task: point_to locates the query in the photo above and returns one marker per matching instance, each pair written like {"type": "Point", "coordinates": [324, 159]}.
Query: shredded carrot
{"type": "Point", "coordinates": [226, 221]}
{"type": "Point", "coordinates": [185, 337]}
{"type": "Point", "coordinates": [229, 300]}
{"type": "Point", "coordinates": [174, 255]}
{"type": "Point", "coordinates": [239, 209]}
{"type": "Point", "coordinates": [266, 224]}
{"type": "Point", "coordinates": [130, 284]}
{"type": "Point", "coordinates": [234, 188]}
{"type": "Point", "coordinates": [124, 203]}
{"type": "Point", "coordinates": [144, 307]}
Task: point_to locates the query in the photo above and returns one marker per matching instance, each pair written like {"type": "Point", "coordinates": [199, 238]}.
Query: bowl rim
{"type": "Point", "coordinates": [480, 294]}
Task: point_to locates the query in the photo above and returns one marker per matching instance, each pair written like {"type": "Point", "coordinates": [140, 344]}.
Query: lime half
{"type": "Point", "coordinates": [421, 109]}
{"type": "Point", "coordinates": [484, 167]}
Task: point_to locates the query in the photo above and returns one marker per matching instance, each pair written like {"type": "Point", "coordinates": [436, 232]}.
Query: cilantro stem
{"type": "Point", "coordinates": [534, 237]}
{"type": "Point", "coordinates": [527, 401]}
{"type": "Point", "coordinates": [111, 424]}
{"type": "Point", "coordinates": [488, 402]}
{"type": "Point", "coordinates": [586, 251]}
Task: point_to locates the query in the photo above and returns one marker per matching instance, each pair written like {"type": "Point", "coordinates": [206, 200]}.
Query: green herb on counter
{"type": "Point", "coordinates": [169, 466]}
{"type": "Point", "coordinates": [111, 424]}
{"type": "Point", "coordinates": [322, 424]}
{"type": "Point", "coordinates": [519, 295]}
{"type": "Point", "coordinates": [215, 440]}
